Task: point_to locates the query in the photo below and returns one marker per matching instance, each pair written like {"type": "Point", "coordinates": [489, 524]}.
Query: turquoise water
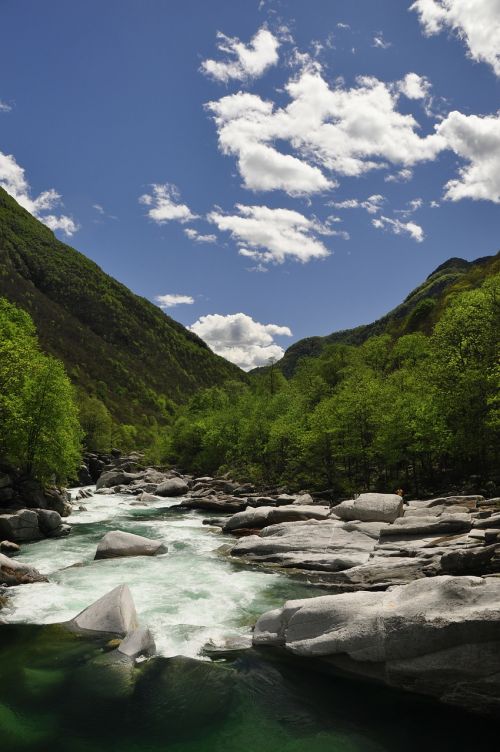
{"type": "Point", "coordinates": [63, 693]}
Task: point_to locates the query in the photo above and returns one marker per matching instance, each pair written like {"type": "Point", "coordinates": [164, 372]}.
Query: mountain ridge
{"type": "Point", "coordinates": [115, 345]}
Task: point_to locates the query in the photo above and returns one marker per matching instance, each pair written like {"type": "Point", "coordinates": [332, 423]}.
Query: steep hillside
{"type": "Point", "coordinates": [114, 344]}
{"type": "Point", "coordinates": [418, 312]}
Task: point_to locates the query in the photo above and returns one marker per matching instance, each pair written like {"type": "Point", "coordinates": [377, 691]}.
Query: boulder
{"type": "Point", "coordinates": [114, 613]}
{"type": "Point", "coordinates": [438, 636]}
{"type": "Point", "coordinates": [148, 498]}
{"type": "Point", "coordinates": [20, 526]}
{"type": "Point", "coordinates": [111, 478]}
{"type": "Point", "coordinates": [264, 516]}
{"type": "Point", "coordinates": [9, 547]}
{"type": "Point", "coordinates": [430, 525]}
{"type": "Point", "coordinates": [138, 642]}
{"type": "Point", "coordinates": [172, 487]}
{"type": "Point", "coordinates": [84, 477]}
{"type": "Point", "coordinates": [118, 543]}
{"type": "Point", "coordinates": [13, 572]}
{"type": "Point", "coordinates": [58, 501]}
{"type": "Point", "coordinates": [48, 520]}
{"type": "Point", "coordinates": [371, 507]}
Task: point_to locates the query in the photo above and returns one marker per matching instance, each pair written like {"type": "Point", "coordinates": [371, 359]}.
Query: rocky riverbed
{"type": "Point", "coordinates": [374, 589]}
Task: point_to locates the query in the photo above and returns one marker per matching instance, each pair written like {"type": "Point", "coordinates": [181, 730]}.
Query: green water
{"type": "Point", "coordinates": [63, 693]}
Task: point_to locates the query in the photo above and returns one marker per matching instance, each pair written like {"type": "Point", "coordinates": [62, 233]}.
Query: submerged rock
{"type": "Point", "coordinates": [119, 543]}
{"type": "Point", "coordinates": [114, 613]}
{"type": "Point", "coordinates": [138, 642]}
{"type": "Point", "coordinates": [437, 636]}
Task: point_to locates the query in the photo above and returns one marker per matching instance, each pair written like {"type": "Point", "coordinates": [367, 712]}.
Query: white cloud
{"type": "Point", "coordinates": [171, 300]}
{"type": "Point", "coordinates": [398, 228]}
{"type": "Point", "coordinates": [414, 86]}
{"type": "Point", "coordinates": [198, 237]}
{"type": "Point", "coordinates": [243, 61]}
{"type": "Point", "coordinates": [347, 131]}
{"type": "Point", "coordinates": [380, 42]}
{"type": "Point", "coordinates": [4, 107]}
{"type": "Point", "coordinates": [240, 339]}
{"type": "Point", "coordinates": [13, 180]}
{"type": "Point", "coordinates": [401, 176]}
{"type": "Point", "coordinates": [272, 235]}
{"type": "Point", "coordinates": [372, 204]}
{"type": "Point", "coordinates": [477, 140]}
{"type": "Point", "coordinates": [164, 205]}
{"type": "Point", "coordinates": [412, 206]}
{"type": "Point", "coordinates": [476, 22]}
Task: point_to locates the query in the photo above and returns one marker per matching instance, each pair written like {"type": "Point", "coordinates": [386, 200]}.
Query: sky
{"type": "Point", "coordinates": [262, 171]}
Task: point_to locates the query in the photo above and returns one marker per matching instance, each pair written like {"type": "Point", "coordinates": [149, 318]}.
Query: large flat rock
{"type": "Point", "coordinates": [438, 636]}
{"type": "Point", "coordinates": [261, 517]}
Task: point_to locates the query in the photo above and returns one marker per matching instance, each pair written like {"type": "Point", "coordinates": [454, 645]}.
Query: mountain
{"type": "Point", "coordinates": [418, 312]}
{"type": "Point", "coordinates": [115, 345]}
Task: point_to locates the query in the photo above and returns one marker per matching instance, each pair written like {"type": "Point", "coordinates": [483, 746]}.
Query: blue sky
{"type": "Point", "coordinates": [350, 147]}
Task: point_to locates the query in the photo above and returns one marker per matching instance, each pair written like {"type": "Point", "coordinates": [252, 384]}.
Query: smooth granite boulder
{"type": "Point", "coordinates": [371, 507]}
{"type": "Point", "coordinates": [438, 636]}
{"type": "Point", "coordinates": [172, 487]}
{"type": "Point", "coordinates": [20, 526]}
{"type": "Point", "coordinates": [114, 613]}
{"type": "Point", "coordinates": [263, 516]}
{"type": "Point", "coordinates": [13, 572]}
{"type": "Point", "coordinates": [430, 525]}
{"type": "Point", "coordinates": [118, 543]}
{"type": "Point", "coordinates": [138, 642]}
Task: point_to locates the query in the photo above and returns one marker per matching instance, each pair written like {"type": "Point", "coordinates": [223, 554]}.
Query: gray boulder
{"type": "Point", "coordinates": [136, 643]}
{"type": "Point", "coordinates": [9, 547]}
{"type": "Point", "coordinates": [371, 507]}
{"type": "Point", "coordinates": [111, 478]}
{"type": "Point", "coordinates": [48, 520]}
{"type": "Point", "coordinates": [118, 543]}
{"type": "Point", "coordinates": [261, 517]}
{"type": "Point", "coordinates": [20, 526]}
{"type": "Point", "coordinates": [172, 487]}
{"type": "Point", "coordinates": [430, 525]}
{"type": "Point", "coordinates": [437, 636]}
{"type": "Point", "coordinates": [14, 572]}
{"type": "Point", "coordinates": [114, 613]}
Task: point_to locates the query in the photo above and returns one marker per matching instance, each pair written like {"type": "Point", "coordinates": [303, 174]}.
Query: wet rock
{"type": "Point", "coordinates": [114, 613]}
{"type": "Point", "coordinates": [9, 547]}
{"type": "Point", "coordinates": [118, 543]}
{"type": "Point", "coordinates": [172, 487]}
{"type": "Point", "coordinates": [138, 642]}
{"type": "Point", "coordinates": [371, 507]}
{"type": "Point", "coordinates": [13, 572]}
{"type": "Point", "coordinates": [438, 636]}
{"type": "Point", "coordinates": [147, 498]}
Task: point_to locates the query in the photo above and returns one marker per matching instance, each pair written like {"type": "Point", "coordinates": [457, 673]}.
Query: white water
{"type": "Point", "coordinates": [187, 596]}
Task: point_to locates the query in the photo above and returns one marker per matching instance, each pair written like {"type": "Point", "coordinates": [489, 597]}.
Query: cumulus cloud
{"type": "Point", "coordinates": [401, 176]}
{"type": "Point", "coordinates": [243, 61]}
{"type": "Point", "coordinates": [164, 204]}
{"type": "Point", "coordinates": [414, 86]}
{"type": "Point", "coordinates": [346, 131]}
{"type": "Point", "coordinates": [271, 235]}
{"type": "Point", "coordinates": [170, 300]}
{"type": "Point", "coordinates": [477, 140]}
{"type": "Point", "coordinates": [198, 237]}
{"type": "Point", "coordinates": [13, 180]}
{"type": "Point", "coordinates": [476, 22]}
{"type": "Point", "coordinates": [4, 107]}
{"type": "Point", "coordinates": [398, 228]}
{"type": "Point", "coordinates": [240, 339]}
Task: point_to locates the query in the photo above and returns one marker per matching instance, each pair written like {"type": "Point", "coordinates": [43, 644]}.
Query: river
{"type": "Point", "coordinates": [53, 693]}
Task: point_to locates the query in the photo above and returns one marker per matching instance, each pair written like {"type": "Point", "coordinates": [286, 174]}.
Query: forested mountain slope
{"type": "Point", "coordinates": [115, 345]}
{"type": "Point", "coordinates": [418, 312]}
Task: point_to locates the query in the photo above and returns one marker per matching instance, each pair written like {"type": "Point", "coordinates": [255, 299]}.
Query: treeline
{"type": "Point", "coordinates": [418, 412]}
